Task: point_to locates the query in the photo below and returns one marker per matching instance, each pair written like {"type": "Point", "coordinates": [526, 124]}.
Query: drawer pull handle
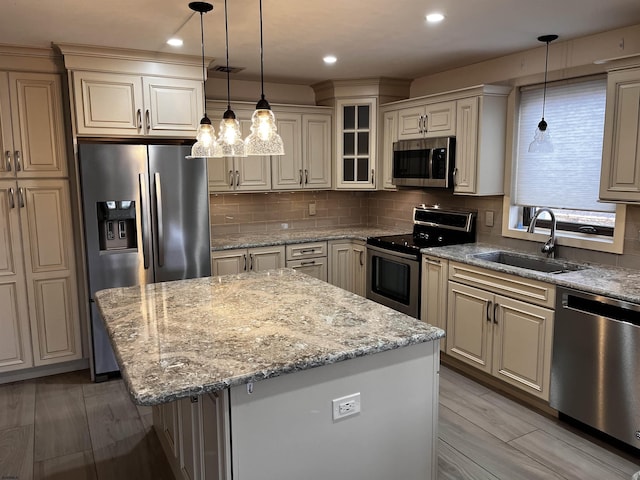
{"type": "Point", "coordinates": [312, 262]}
{"type": "Point", "coordinates": [495, 315]}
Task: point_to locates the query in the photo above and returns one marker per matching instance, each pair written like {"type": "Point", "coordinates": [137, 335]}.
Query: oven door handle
{"type": "Point", "coordinates": [393, 253]}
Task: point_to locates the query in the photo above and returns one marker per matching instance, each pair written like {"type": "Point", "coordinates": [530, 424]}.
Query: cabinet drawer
{"type": "Point", "coordinates": [528, 290]}
{"type": "Point", "coordinates": [306, 250]}
{"type": "Point", "coordinates": [316, 267]}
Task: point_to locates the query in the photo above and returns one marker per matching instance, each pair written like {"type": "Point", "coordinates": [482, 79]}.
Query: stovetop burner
{"type": "Point", "coordinates": [433, 226]}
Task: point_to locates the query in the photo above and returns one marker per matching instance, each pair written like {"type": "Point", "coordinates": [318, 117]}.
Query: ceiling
{"type": "Point", "coordinates": [370, 38]}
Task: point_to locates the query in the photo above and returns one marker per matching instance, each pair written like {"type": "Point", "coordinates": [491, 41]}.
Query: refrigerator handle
{"type": "Point", "coordinates": [159, 218]}
{"type": "Point", "coordinates": [144, 221]}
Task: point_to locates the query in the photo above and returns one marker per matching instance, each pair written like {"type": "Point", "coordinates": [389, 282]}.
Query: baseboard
{"type": "Point", "coordinates": [44, 371]}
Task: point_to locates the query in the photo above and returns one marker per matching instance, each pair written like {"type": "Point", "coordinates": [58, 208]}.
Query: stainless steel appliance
{"type": "Point", "coordinates": [425, 162]}
{"type": "Point", "coordinates": [393, 261]}
{"type": "Point", "coordinates": [595, 371]}
{"type": "Point", "coordinates": [146, 219]}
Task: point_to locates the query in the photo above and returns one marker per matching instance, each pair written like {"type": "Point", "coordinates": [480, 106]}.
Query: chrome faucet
{"type": "Point", "coordinates": [549, 246]}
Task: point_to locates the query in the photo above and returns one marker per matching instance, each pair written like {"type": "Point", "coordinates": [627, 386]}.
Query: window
{"type": "Point", "coordinates": [566, 180]}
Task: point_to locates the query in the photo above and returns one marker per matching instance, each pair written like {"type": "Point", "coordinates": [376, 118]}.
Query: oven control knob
{"type": "Point", "coordinates": [425, 236]}
{"type": "Point", "coordinates": [440, 239]}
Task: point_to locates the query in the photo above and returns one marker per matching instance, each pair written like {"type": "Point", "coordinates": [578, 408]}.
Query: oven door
{"type": "Point", "coordinates": [393, 279]}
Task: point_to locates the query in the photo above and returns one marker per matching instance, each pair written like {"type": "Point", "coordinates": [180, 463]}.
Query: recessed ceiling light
{"type": "Point", "coordinates": [435, 17]}
{"type": "Point", "coordinates": [329, 59]}
{"type": "Point", "coordinates": [175, 42]}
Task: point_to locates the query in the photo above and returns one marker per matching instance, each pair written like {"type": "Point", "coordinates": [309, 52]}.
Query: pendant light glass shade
{"type": "Point", "coordinates": [542, 138]}
{"type": "Point", "coordinates": [230, 141]}
{"type": "Point", "coordinates": [264, 138]}
{"type": "Point", "coordinates": [206, 145]}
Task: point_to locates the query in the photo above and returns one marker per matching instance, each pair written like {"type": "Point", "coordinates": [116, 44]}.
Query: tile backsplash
{"type": "Point", "coordinates": [264, 212]}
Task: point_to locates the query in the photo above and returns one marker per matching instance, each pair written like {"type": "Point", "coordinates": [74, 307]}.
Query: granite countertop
{"type": "Point", "coordinates": [282, 237]}
{"type": "Point", "coordinates": [614, 282]}
{"type": "Point", "coordinates": [188, 337]}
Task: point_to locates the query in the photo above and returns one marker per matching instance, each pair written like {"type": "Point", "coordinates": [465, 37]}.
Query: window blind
{"type": "Point", "coordinates": [570, 176]}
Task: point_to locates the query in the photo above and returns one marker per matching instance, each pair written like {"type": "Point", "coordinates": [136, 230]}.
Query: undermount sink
{"type": "Point", "coordinates": [528, 262]}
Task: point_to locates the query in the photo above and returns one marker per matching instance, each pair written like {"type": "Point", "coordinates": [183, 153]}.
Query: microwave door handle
{"type": "Point", "coordinates": [430, 155]}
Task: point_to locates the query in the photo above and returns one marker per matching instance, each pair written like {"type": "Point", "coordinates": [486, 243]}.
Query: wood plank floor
{"type": "Point", "coordinates": [65, 427]}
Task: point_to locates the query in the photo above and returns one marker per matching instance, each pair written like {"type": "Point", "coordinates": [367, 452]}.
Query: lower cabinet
{"type": "Point", "coordinates": [507, 338]}
{"type": "Point", "coordinates": [309, 258]}
{"type": "Point", "coordinates": [191, 433]}
{"type": "Point", "coordinates": [347, 268]}
{"type": "Point", "coordinates": [38, 298]}
{"type": "Point", "coordinates": [230, 262]}
{"type": "Point", "coordinates": [433, 305]}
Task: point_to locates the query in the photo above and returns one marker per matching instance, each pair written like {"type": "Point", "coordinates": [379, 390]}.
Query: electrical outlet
{"type": "Point", "coordinates": [488, 219]}
{"type": "Point", "coordinates": [346, 406]}
{"type": "Point", "coordinates": [312, 208]}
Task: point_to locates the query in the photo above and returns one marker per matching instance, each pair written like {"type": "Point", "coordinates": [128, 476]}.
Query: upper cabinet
{"type": "Point", "coordinates": [126, 93]}
{"type": "Point", "coordinates": [32, 136]}
{"type": "Point", "coordinates": [356, 143]}
{"type": "Point", "coordinates": [620, 174]}
{"type": "Point", "coordinates": [130, 105]}
{"type": "Point", "coordinates": [428, 120]}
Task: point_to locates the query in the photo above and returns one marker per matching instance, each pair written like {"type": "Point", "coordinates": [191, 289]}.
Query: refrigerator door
{"type": "Point", "coordinates": [180, 213]}
{"type": "Point", "coordinates": [117, 227]}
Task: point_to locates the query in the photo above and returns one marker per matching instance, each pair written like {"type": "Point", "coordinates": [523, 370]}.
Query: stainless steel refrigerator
{"type": "Point", "coordinates": [146, 219]}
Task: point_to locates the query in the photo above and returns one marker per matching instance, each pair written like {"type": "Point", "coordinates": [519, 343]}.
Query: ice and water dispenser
{"type": "Point", "coordinates": [117, 224]}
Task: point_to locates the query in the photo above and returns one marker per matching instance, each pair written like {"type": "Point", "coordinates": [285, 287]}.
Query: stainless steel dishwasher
{"type": "Point", "coordinates": [595, 371]}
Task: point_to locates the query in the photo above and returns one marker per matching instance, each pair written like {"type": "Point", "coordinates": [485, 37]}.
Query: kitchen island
{"type": "Point", "coordinates": [278, 375]}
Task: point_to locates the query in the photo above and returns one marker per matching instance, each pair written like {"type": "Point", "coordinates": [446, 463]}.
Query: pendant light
{"type": "Point", "coordinates": [264, 138]}
{"type": "Point", "coordinates": [206, 145]}
{"type": "Point", "coordinates": [230, 141]}
{"type": "Point", "coordinates": [542, 139]}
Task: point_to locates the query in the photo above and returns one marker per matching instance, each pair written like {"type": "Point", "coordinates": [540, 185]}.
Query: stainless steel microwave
{"type": "Point", "coordinates": [424, 162]}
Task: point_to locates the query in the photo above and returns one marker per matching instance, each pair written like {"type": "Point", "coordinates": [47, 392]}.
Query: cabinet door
{"type": "Point", "coordinates": [355, 141]}
{"type": "Point", "coordinates": [252, 174]}
{"type": "Point", "coordinates": [173, 106]}
{"type": "Point", "coordinates": [213, 452]}
{"type": "Point", "coordinates": [440, 119]}
{"type": "Point", "coordinates": [15, 344]}
{"type": "Point", "coordinates": [316, 150]}
{"type": "Point", "coordinates": [228, 262]}
{"type": "Point", "coordinates": [6, 135]}
{"type": "Point", "coordinates": [410, 122]}
{"type": "Point", "coordinates": [359, 263]}
{"type": "Point", "coordinates": [340, 265]}
{"type": "Point", "coordinates": [190, 439]}
{"type": "Point", "coordinates": [266, 258]}
{"type": "Point", "coordinates": [523, 334]}
{"type": "Point", "coordinates": [466, 145]}
{"type": "Point", "coordinates": [38, 125]}
{"type": "Point", "coordinates": [170, 426]}
{"type": "Point", "coordinates": [389, 136]}
{"type": "Point", "coordinates": [50, 270]}
{"type": "Point", "coordinates": [108, 104]}
{"type": "Point", "coordinates": [433, 309]}
{"type": "Point", "coordinates": [287, 169]}
{"type": "Point", "coordinates": [469, 325]}
{"type": "Point", "coordinates": [314, 267]}
{"type": "Point", "coordinates": [220, 174]}
{"type": "Point", "coordinates": [620, 174]}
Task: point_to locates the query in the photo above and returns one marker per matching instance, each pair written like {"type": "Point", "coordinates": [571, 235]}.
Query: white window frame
{"type": "Point", "coordinates": [512, 215]}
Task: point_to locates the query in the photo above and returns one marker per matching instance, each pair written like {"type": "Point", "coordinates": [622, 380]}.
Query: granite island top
{"type": "Point", "coordinates": [188, 337]}
{"type": "Point", "coordinates": [614, 282]}
{"type": "Point", "coordinates": [286, 236]}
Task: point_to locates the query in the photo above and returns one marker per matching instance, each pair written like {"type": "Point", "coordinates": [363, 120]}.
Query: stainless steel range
{"type": "Point", "coordinates": [393, 261]}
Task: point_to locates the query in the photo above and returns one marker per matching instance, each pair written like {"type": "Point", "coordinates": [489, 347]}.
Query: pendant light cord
{"type": "Point", "coordinates": [226, 29]}
{"type": "Point", "coordinates": [261, 56]}
{"type": "Point", "coordinates": [544, 90]}
{"type": "Point", "coordinates": [204, 90]}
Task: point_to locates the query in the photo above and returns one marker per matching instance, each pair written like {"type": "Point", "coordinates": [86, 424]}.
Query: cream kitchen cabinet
{"type": "Point", "coordinates": [492, 331]}
{"type": "Point", "coordinates": [433, 304]}
{"type": "Point", "coordinates": [309, 258]}
{"type": "Point", "coordinates": [356, 134]}
{"type": "Point", "coordinates": [347, 267]}
{"type": "Point", "coordinates": [389, 136]}
{"type": "Point", "coordinates": [620, 173]}
{"type": "Point", "coordinates": [32, 135]}
{"type": "Point", "coordinates": [43, 326]}
{"type": "Point", "coordinates": [480, 142]}
{"type": "Point", "coordinates": [307, 159]}
{"type": "Point", "coordinates": [118, 104]}
{"type": "Point", "coordinates": [429, 120]}
{"type": "Point", "coordinates": [229, 262]}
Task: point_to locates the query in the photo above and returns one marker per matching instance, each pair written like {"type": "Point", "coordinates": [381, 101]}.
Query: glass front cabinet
{"type": "Point", "coordinates": [356, 143]}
